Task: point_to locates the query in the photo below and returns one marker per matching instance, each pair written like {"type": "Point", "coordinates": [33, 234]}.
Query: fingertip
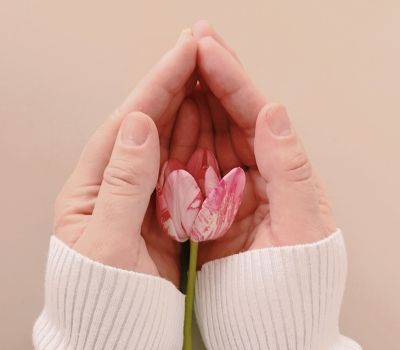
{"type": "Point", "coordinates": [185, 35]}
{"type": "Point", "coordinates": [188, 46]}
{"type": "Point", "coordinates": [274, 118]}
{"type": "Point", "coordinates": [208, 56]}
{"type": "Point", "coordinates": [165, 80]}
{"type": "Point", "coordinates": [272, 124]}
{"type": "Point", "coordinates": [139, 131]}
{"type": "Point", "coordinates": [202, 28]}
{"type": "Point", "coordinates": [145, 118]}
{"type": "Point", "coordinates": [186, 40]}
{"type": "Point", "coordinates": [134, 130]}
{"type": "Point", "coordinates": [220, 70]}
{"type": "Point", "coordinates": [203, 57]}
{"type": "Point", "coordinates": [207, 43]}
{"type": "Point", "coordinates": [278, 148]}
{"type": "Point", "coordinates": [271, 108]}
{"type": "Point", "coordinates": [261, 120]}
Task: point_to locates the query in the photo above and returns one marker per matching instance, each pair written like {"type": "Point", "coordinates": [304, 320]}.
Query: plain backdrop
{"type": "Point", "coordinates": [64, 66]}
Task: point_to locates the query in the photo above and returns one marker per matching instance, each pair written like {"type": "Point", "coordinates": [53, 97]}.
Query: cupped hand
{"type": "Point", "coordinates": [284, 202]}
{"type": "Point", "coordinates": [106, 210]}
{"type": "Point", "coordinates": [103, 210]}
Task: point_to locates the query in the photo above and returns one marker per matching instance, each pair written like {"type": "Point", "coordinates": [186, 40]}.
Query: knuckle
{"type": "Point", "coordinates": [121, 178]}
{"type": "Point", "coordinates": [299, 168]}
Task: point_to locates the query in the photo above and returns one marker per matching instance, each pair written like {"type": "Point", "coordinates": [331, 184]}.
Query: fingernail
{"type": "Point", "coordinates": [278, 121]}
{"type": "Point", "coordinates": [135, 129]}
{"type": "Point", "coordinates": [184, 34]}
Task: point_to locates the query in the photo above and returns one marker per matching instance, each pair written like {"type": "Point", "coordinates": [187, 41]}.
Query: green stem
{"type": "Point", "coordinates": [191, 282]}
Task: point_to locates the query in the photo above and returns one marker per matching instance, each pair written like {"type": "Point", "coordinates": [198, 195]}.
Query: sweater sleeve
{"type": "Point", "coordinates": [275, 298]}
{"type": "Point", "coordinates": [92, 306]}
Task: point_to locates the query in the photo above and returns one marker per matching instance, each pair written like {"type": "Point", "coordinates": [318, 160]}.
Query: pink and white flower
{"type": "Point", "coordinates": [193, 202]}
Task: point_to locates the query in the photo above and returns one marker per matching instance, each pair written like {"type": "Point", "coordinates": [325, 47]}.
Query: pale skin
{"type": "Point", "coordinates": [106, 209]}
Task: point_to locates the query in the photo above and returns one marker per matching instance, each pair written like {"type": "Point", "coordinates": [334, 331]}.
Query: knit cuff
{"type": "Point", "coordinates": [274, 298]}
{"type": "Point", "coordinates": [89, 305]}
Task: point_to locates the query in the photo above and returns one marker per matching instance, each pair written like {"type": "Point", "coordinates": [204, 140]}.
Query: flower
{"type": "Point", "coordinates": [193, 202]}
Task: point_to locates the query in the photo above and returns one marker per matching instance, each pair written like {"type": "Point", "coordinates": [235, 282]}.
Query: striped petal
{"type": "Point", "coordinates": [178, 204]}
{"type": "Point", "coordinates": [211, 180]}
{"type": "Point", "coordinates": [200, 161]}
{"type": "Point", "coordinates": [168, 167]}
{"type": "Point", "coordinates": [220, 207]}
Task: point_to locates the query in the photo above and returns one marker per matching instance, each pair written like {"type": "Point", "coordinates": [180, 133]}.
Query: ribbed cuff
{"type": "Point", "coordinates": [275, 298]}
{"type": "Point", "coordinates": [92, 306]}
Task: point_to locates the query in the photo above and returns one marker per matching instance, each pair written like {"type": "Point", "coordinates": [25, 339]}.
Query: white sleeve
{"type": "Point", "coordinates": [92, 306]}
{"type": "Point", "coordinates": [275, 298]}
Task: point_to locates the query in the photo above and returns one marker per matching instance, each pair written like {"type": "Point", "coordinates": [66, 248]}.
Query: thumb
{"type": "Point", "coordinates": [128, 182]}
{"type": "Point", "coordinates": [290, 186]}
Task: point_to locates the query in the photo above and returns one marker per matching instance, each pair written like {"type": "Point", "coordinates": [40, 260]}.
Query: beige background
{"type": "Point", "coordinates": [65, 65]}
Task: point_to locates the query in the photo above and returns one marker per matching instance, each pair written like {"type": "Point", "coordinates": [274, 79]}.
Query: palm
{"type": "Point", "coordinates": [156, 249]}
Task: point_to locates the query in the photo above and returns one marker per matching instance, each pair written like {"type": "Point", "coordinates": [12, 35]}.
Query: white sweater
{"type": "Point", "coordinates": [274, 298]}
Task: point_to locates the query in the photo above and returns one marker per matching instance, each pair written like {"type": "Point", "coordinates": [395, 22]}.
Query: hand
{"type": "Point", "coordinates": [284, 202]}
{"type": "Point", "coordinates": [103, 210]}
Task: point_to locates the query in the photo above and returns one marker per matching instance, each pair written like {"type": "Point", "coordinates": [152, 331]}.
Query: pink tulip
{"type": "Point", "coordinates": [193, 202]}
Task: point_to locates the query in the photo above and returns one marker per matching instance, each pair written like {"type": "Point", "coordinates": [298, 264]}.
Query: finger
{"type": "Point", "coordinates": [159, 95]}
{"type": "Point", "coordinates": [203, 29]}
{"type": "Point", "coordinates": [238, 148]}
{"type": "Point", "coordinates": [165, 128]}
{"type": "Point", "coordinates": [290, 186]}
{"type": "Point", "coordinates": [206, 137]}
{"type": "Point", "coordinates": [128, 182]}
{"type": "Point", "coordinates": [232, 149]}
{"type": "Point", "coordinates": [229, 82]}
{"type": "Point", "coordinates": [165, 80]}
{"type": "Point", "coordinates": [225, 152]}
{"type": "Point", "coordinates": [186, 132]}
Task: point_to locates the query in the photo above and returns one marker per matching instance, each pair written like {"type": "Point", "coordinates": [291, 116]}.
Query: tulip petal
{"type": "Point", "coordinates": [211, 180]}
{"type": "Point", "coordinates": [164, 218]}
{"type": "Point", "coordinates": [179, 202]}
{"type": "Point", "coordinates": [220, 207]}
{"type": "Point", "coordinates": [168, 167]}
{"type": "Point", "coordinates": [199, 162]}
